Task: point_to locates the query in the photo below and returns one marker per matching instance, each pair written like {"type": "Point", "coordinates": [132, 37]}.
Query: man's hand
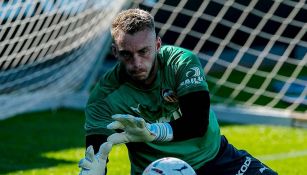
{"type": "Point", "coordinates": [95, 164]}
{"type": "Point", "coordinates": [137, 130]}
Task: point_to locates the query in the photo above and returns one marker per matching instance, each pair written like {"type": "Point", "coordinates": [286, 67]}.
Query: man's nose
{"type": "Point", "coordinates": [137, 61]}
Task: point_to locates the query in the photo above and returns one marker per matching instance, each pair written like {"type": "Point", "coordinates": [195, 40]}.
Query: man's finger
{"type": "Point", "coordinates": [118, 138]}
{"type": "Point", "coordinates": [127, 120]}
{"type": "Point", "coordinates": [124, 119]}
{"type": "Point", "coordinates": [84, 164]}
{"type": "Point", "coordinates": [104, 150]}
{"type": "Point", "coordinates": [89, 154]}
{"type": "Point", "coordinates": [119, 116]}
{"type": "Point", "coordinates": [115, 125]}
{"type": "Point", "coordinates": [84, 172]}
{"type": "Point", "coordinates": [140, 122]}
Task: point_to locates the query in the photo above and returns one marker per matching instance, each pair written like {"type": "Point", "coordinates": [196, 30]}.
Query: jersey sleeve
{"type": "Point", "coordinates": [98, 111]}
{"type": "Point", "coordinates": [190, 75]}
{"type": "Point", "coordinates": [97, 114]}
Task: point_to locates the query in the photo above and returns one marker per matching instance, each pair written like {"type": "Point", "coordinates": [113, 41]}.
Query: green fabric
{"type": "Point", "coordinates": [180, 72]}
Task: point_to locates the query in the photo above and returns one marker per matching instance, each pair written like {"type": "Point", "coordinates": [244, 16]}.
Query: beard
{"type": "Point", "coordinates": [140, 75]}
{"type": "Point", "coordinates": [143, 75]}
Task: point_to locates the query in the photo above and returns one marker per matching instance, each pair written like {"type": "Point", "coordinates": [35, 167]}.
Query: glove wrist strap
{"type": "Point", "coordinates": [162, 131]}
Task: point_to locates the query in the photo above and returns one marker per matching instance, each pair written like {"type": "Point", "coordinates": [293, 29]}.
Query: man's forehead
{"type": "Point", "coordinates": [133, 48]}
{"type": "Point", "coordinates": [135, 41]}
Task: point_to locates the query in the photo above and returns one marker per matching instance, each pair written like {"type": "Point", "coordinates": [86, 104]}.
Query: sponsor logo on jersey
{"type": "Point", "coordinates": [245, 166]}
{"type": "Point", "coordinates": [136, 109]}
{"type": "Point", "coordinates": [193, 77]}
{"type": "Point", "coordinates": [190, 81]}
{"type": "Point", "coordinates": [169, 95]}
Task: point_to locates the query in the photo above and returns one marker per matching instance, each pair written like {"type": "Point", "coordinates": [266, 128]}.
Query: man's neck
{"type": "Point", "coordinates": [152, 75]}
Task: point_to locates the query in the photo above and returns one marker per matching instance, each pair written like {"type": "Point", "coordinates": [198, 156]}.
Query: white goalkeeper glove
{"type": "Point", "coordinates": [95, 164]}
{"type": "Point", "coordinates": [137, 130]}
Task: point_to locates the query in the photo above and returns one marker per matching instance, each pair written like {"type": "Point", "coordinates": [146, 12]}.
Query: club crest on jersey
{"type": "Point", "coordinates": [193, 77]}
{"type": "Point", "coordinates": [169, 95]}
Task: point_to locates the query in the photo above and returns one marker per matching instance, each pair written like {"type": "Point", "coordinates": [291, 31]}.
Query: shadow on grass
{"type": "Point", "coordinates": [229, 124]}
{"type": "Point", "coordinates": [25, 138]}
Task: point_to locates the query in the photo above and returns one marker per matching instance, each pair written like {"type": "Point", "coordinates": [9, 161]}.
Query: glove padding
{"type": "Point", "coordinates": [137, 130]}
{"type": "Point", "coordinates": [95, 164]}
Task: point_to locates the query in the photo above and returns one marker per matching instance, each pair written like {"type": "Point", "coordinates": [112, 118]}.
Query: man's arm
{"type": "Point", "coordinates": [194, 121]}
{"type": "Point", "coordinates": [93, 143]}
{"type": "Point", "coordinates": [95, 140]}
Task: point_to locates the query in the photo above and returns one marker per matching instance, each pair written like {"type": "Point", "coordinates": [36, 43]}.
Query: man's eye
{"type": "Point", "coordinates": [125, 54]}
{"type": "Point", "coordinates": [143, 51]}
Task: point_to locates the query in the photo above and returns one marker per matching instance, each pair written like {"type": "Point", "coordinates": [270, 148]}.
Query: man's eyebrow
{"type": "Point", "coordinates": [144, 48]}
{"type": "Point", "coordinates": [124, 51]}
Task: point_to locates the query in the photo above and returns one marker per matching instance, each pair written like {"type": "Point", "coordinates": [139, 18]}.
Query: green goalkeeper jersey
{"type": "Point", "coordinates": [179, 73]}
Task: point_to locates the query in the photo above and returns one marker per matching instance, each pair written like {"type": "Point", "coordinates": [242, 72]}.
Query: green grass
{"type": "Point", "coordinates": [52, 142]}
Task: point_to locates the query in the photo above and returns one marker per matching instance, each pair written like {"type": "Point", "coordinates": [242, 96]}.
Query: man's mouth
{"type": "Point", "coordinates": [138, 72]}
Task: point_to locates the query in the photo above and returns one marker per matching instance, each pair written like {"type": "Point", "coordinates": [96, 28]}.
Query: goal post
{"type": "Point", "coordinates": [253, 52]}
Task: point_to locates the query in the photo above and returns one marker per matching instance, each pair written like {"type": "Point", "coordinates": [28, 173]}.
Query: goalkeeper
{"type": "Point", "coordinates": [156, 101]}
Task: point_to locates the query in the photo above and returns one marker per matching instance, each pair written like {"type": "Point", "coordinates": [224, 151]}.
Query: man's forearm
{"type": "Point", "coordinates": [95, 140]}
{"type": "Point", "coordinates": [194, 121]}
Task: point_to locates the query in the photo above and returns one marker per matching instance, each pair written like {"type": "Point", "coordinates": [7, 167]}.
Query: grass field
{"type": "Point", "coordinates": [52, 142]}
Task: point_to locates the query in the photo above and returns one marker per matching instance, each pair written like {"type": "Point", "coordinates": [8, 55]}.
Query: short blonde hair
{"type": "Point", "coordinates": [131, 21]}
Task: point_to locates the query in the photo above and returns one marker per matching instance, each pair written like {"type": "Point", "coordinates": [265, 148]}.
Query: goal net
{"type": "Point", "coordinates": [49, 51]}
{"type": "Point", "coordinates": [253, 52]}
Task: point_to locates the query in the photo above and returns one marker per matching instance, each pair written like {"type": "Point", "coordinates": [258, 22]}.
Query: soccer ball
{"type": "Point", "coordinates": [169, 166]}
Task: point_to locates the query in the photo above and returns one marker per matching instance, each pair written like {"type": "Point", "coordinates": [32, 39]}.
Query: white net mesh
{"type": "Point", "coordinates": [49, 49]}
{"type": "Point", "coordinates": [254, 52]}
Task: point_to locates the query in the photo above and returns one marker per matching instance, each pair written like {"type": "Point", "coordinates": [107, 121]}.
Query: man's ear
{"type": "Point", "coordinates": [114, 50]}
{"type": "Point", "coordinates": [158, 43]}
